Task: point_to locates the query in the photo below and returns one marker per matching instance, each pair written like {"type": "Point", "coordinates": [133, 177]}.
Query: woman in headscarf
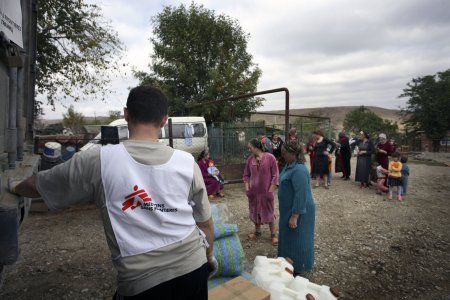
{"type": "Point", "coordinates": [297, 210]}
{"type": "Point", "coordinates": [384, 149]}
{"type": "Point", "coordinates": [261, 180]}
{"type": "Point", "coordinates": [343, 155]}
{"type": "Point", "coordinates": [364, 159]}
{"type": "Point", "coordinates": [322, 148]}
{"type": "Point", "coordinates": [212, 185]}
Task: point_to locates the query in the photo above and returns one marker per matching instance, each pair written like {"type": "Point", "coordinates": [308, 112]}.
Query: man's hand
{"type": "Point", "coordinates": [213, 266]}
{"type": "Point", "coordinates": [12, 184]}
{"type": "Point", "coordinates": [26, 188]}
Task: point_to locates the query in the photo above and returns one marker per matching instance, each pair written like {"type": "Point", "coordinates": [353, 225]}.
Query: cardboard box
{"type": "Point", "coordinates": [238, 288]}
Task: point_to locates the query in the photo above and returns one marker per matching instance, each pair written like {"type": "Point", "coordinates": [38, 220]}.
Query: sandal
{"type": "Point", "coordinates": [221, 195]}
{"type": "Point", "coordinates": [254, 236]}
{"type": "Point", "coordinates": [210, 197]}
{"type": "Point", "coordinates": [274, 239]}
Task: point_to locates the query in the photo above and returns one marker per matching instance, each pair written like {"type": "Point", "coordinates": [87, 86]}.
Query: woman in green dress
{"type": "Point", "coordinates": [297, 210]}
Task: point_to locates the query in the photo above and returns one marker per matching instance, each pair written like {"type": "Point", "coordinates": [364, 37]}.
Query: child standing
{"type": "Point", "coordinates": [405, 174]}
{"type": "Point", "coordinates": [330, 171]}
{"type": "Point", "coordinates": [381, 179]}
{"type": "Point", "coordinates": [395, 176]}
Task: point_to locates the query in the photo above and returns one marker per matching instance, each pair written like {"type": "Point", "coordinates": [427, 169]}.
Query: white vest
{"type": "Point", "coordinates": [147, 204]}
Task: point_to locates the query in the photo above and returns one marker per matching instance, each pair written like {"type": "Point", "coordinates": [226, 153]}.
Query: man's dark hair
{"type": "Point", "coordinates": [261, 131]}
{"type": "Point", "coordinates": [147, 104]}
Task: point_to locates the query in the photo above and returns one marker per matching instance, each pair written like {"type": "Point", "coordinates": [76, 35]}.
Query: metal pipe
{"type": "Point", "coordinates": [292, 115]}
{"type": "Point", "coordinates": [23, 78]}
{"type": "Point", "coordinates": [286, 118]}
{"type": "Point", "coordinates": [19, 113]}
{"type": "Point", "coordinates": [12, 120]}
{"type": "Point", "coordinates": [32, 65]}
{"type": "Point", "coordinates": [170, 133]}
{"type": "Point", "coordinates": [286, 122]}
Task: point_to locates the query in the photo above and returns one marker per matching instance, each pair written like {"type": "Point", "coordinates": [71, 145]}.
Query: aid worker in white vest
{"type": "Point", "coordinates": [153, 202]}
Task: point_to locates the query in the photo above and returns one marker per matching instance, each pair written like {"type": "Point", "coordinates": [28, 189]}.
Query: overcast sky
{"type": "Point", "coordinates": [327, 53]}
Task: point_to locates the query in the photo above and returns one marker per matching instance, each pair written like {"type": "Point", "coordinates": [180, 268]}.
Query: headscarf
{"type": "Point", "coordinates": [203, 154]}
{"type": "Point", "coordinates": [295, 148]}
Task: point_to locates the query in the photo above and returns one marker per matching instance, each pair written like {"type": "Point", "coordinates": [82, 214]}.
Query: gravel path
{"type": "Point", "coordinates": [367, 247]}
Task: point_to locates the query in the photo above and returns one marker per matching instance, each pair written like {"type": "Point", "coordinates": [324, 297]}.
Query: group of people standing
{"type": "Point", "coordinates": [296, 204]}
{"type": "Point", "coordinates": [277, 164]}
{"type": "Point", "coordinates": [372, 162]}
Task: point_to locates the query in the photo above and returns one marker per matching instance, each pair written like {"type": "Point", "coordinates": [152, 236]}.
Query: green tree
{"type": "Point", "coordinates": [53, 129]}
{"type": "Point", "coordinates": [73, 120]}
{"type": "Point", "coordinates": [362, 118]}
{"type": "Point", "coordinates": [114, 115]}
{"type": "Point", "coordinates": [77, 51]}
{"type": "Point", "coordinates": [313, 121]}
{"type": "Point", "coordinates": [199, 56]}
{"type": "Point", "coordinates": [428, 107]}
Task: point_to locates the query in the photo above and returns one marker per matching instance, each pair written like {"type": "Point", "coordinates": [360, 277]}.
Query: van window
{"type": "Point", "coordinates": [199, 130]}
{"type": "Point", "coordinates": [178, 130]}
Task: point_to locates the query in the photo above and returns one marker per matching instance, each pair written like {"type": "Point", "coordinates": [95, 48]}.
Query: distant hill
{"type": "Point", "coordinates": [87, 120]}
{"type": "Point", "coordinates": [336, 115]}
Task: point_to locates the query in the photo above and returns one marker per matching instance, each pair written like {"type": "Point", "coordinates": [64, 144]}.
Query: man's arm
{"type": "Point", "coordinates": [26, 188]}
{"type": "Point", "coordinates": [208, 229]}
{"type": "Point", "coordinates": [201, 208]}
{"type": "Point", "coordinates": [66, 184]}
{"type": "Point", "coordinates": [202, 215]}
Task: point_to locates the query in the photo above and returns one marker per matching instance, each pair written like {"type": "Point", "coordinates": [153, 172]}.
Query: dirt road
{"type": "Point", "coordinates": [367, 247]}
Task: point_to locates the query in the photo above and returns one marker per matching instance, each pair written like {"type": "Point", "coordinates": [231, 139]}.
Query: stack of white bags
{"type": "Point", "coordinates": [275, 276]}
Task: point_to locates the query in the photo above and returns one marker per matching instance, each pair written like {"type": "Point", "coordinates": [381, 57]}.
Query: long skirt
{"type": "Point", "coordinates": [212, 185]}
{"type": "Point", "coordinates": [321, 165]}
{"type": "Point", "coordinates": [298, 243]}
{"type": "Point", "coordinates": [363, 168]}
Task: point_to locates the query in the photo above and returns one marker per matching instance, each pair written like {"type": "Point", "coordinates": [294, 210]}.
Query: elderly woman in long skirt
{"type": "Point", "coordinates": [364, 159]}
{"type": "Point", "coordinates": [261, 180]}
{"type": "Point", "coordinates": [297, 210]}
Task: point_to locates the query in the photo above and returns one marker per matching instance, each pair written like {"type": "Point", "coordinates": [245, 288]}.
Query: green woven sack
{"type": "Point", "coordinates": [228, 250]}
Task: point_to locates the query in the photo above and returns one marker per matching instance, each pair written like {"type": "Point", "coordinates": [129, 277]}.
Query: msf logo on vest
{"type": "Point", "coordinates": [135, 199]}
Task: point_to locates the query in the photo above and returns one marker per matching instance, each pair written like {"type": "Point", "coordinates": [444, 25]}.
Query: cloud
{"type": "Point", "coordinates": [327, 53]}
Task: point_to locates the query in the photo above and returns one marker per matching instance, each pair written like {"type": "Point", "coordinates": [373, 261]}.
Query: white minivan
{"type": "Point", "coordinates": [189, 134]}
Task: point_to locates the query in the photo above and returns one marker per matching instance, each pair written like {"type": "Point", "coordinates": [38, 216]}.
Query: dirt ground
{"type": "Point", "coordinates": [367, 247]}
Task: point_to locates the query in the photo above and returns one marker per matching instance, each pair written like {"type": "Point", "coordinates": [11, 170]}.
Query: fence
{"type": "Point", "coordinates": [227, 142]}
{"type": "Point", "coordinates": [421, 144]}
